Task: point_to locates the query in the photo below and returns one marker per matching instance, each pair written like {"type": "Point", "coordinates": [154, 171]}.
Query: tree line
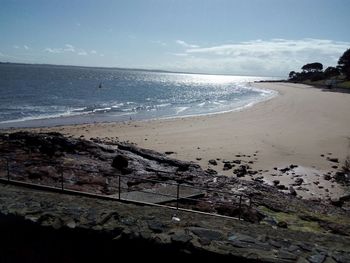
{"type": "Point", "coordinates": [314, 71]}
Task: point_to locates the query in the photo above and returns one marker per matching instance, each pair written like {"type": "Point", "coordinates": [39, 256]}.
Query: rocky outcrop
{"type": "Point", "coordinates": [36, 225]}
{"type": "Point", "coordinates": [94, 166]}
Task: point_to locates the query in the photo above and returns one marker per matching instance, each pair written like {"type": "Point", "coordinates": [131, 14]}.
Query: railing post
{"type": "Point", "coordinates": [8, 169]}
{"type": "Point", "coordinates": [240, 211]}
{"type": "Point", "coordinates": [177, 195]}
{"type": "Point", "coordinates": [62, 181]}
{"type": "Point", "coordinates": [119, 187]}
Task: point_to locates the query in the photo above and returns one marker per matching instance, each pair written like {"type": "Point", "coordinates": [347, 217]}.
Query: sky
{"type": "Point", "coordinates": [237, 37]}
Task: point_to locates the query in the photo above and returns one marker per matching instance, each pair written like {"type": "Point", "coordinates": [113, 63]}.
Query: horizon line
{"type": "Point", "coordinates": [135, 69]}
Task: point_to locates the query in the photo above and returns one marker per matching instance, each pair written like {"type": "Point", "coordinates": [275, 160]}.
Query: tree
{"type": "Point", "coordinates": [312, 67]}
{"type": "Point", "coordinates": [344, 64]}
{"type": "Point", "coordinates": [331, 72]}
{"type": "Point", "coordinates": [292, 75]}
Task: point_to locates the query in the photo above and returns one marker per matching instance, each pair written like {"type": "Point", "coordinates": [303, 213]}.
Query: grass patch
{"type": "Point", "coordinates": [293, 220]}
{"type": "Point", "coordinates": [344, 85]}
{"type": "Point", "coordinates": [306, 221]}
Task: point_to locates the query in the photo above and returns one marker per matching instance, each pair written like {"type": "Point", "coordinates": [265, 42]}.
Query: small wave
{"type": "Point", "coordinates": [180, 109]}
{"type": "Point", "coordinates": [102, 109]}
{"type": "Point", "coordinates": [163, 105]}
{"type": "Point", "coordinates": [44, 116]}
{"type": "Point", "coordinates": [118, 105]}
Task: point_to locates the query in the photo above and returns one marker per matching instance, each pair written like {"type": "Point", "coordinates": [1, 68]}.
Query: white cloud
{"type": "Point", "coordinates": [53, 50]}
{"type": "Point", "coordinates": [25, 47]}
{"type": "Point", "coordinates": [186, 45]}
{"type": "Point", "coordinates": [2, 55]}
{"type": "Point", "coordinates": [158, 42]}
{"type": "Point", "coordinates": [15, 46]}
{"type": "Point", "coordinates": [102, 55]}
{"type": "Point", "coordinates": [179, 54]}
{"type": "Point", "coordinates": [69, 48]}
{"type": "Point", "coordinates": [259, 57]}
{"type": "Point", "coordinates": [82, 53]}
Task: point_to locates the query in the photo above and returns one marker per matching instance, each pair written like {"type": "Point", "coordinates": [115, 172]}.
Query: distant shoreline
{"type": "Point", "coordinates": [130, 69]}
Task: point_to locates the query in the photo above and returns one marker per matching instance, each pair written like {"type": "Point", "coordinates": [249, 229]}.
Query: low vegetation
{"type": "Point", "coordinates": [313, 73]}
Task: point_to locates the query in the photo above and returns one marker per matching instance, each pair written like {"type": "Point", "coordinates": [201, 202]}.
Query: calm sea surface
{"type": "Point", "coordinates": [36, 95]}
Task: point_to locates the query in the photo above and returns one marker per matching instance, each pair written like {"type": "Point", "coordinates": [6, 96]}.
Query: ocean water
{"type": "Point", "coordinates": [41, 95]}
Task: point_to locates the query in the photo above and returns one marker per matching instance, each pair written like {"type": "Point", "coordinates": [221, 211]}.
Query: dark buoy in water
{"type": "Point", "coordinates": [100, 86]}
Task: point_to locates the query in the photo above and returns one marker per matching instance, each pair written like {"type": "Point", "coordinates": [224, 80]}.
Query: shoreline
{"type": "Point", "coordinates": [296, 127]}
{"type": "Point", "coordinates": [91, 118]}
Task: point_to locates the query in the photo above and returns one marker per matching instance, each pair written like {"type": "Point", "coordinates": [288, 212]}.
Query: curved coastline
{"type": "Point", "coordinates": [71, 118]}
{"type": "Point", "coordinates": [301, 126]}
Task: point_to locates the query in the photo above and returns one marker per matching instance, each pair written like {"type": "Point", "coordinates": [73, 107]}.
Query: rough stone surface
{"type": "Point", "coordinates": [87, 166]}
{"type": "Point", "coordinates": [116, 223]}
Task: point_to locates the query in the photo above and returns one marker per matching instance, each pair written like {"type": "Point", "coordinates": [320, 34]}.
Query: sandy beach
{"type": "Point", "coordinates": [303, 126]}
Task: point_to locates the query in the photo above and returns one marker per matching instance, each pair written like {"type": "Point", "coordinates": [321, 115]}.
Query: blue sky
{"type": "Point", "coordinates": [248, 37]}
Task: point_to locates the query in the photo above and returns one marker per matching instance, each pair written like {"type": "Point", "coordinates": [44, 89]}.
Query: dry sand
{"type": "Point", "coordinates": [296, 127]}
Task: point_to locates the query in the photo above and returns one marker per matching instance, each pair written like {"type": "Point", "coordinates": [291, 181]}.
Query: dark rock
{"type": "Point", "coordinates": [282, 224]}
{"type": "Point", "coordinates": [342, 178]}
{"type": "Point", "coordinates": [120, 162]}
{"type": "Point", "coordinates": [213, 162]}
{"type": "Point", "coordinates": [275, 182]}
{"type": "Point", "coordinates": [208, 234]}
{"type": "Point", "coordinates": [250, 215]}
{"type": "Point", "coordinates": [316, 258]}
{"type": "Point", "coordinates": [292, 191]}
{"type": "Point", "coordinates": [205, 207]}
{"type": "Point", "coordinates": [241, 171]}
{"type": "Point", "coordinates": [252, 172]}
{"type": "Point", "coordinates": [236, 161]}
{"type": "Point", "coordinates": [169, 152]}
{"type": "Point", "coordinates": [155, 156]}
{"type": "Point", "coordinates": [157, 227]}
{"type": "Point", "coordinates": [283, 170]}
{"type": "Point", "coordinates": [286, 255]}
{"type": "Point", "coordinates": [126, 171]}
{"type": "Point", "coordinates": [281, 187]}
{"type": "Point", "coordinates": [181, 238]}
{"type": "Point", "coordinates": [227, 166]}
{"type": "Point", "coordinates": [334, 160]}
{"type": "Point", "coordinates": [345, 197]}
{"type": "Point", "coordinates": [298, 181]}
{"type": "Point", "coordinates": [293, 248]}
{"type": "Point", "coordinates": [275, 243]}
{"type": "Point", "coordinates": [40, 172]}
{"type": "Point", "coordinates": [334, 167]}
{"type": "Point", "coordinates": [292, 166]}
{"type": "Point", "coordinates": [211, 171]}
{"type": "Point", "coordinates": [327, 177]}
{"type": "Point", "coordinates": [335, 228]}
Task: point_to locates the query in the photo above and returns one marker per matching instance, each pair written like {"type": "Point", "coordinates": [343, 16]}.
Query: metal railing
{"type": "Point", "coordinates": [173, 198]}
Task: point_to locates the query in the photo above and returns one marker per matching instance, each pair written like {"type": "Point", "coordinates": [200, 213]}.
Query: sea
{"type": "Point", "coordinates": [48, 95]}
